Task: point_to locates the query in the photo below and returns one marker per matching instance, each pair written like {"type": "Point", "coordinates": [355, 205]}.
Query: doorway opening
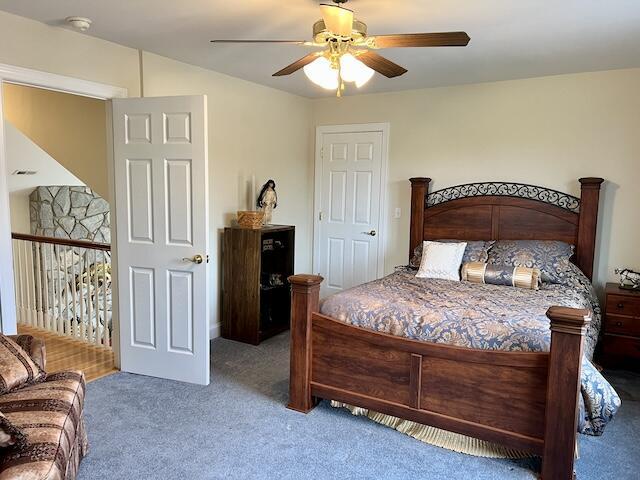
{"type": "Point", "coordinates": [55, 147]}
{"type": "Point", "coordinates": [157, 180]}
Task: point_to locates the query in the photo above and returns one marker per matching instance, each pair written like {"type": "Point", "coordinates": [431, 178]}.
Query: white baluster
{"type": "Point", "coordinates": [97, 337]}
{"type": "Point", "coordinates": [23, 281]}
{"type": "Point", "coordinates": [34, 284]}
{"type": "Point", "coordinates": [17, 273]}
{"type": "Point", "coordinates": [39, 293]}
{"type": "Point", "coordinates": [46, 263]}
{"type": "Point", "coordinates": [74, 297]}
{"type": "Point", "coordinates": [89, 299]}
{"type": "Point", "coordinates": [105, 322]}
{"type": "Point", "coordinates": [30, 287]}
{"type": "Point", "coordinates": [60, 318]}
{"type": "Point", "coordinates": [83, 296]}
{"type": "Point", "coordinates": [67, 310]}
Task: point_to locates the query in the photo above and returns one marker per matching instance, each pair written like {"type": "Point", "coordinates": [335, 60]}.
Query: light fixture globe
{"type": "Point", "coordinates": [353, 70]}
{"type": "Point", "coordinates": [320, 72]}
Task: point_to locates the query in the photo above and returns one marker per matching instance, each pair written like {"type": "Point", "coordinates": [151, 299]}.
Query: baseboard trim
{"type": "Point", "coordinates": [214, 331]}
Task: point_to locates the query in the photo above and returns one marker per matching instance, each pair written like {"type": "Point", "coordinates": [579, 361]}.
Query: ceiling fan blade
{"type": "Point", "coordinates": [442, 39]}
{"type": "Point", "coordinates": [380, 64]}
{"type": "Point", "coordinates": [337, 19]}
{"type": "Point", "coordinates": [298, 64]}
{"type": "Point", "coordinates": [295, 42]}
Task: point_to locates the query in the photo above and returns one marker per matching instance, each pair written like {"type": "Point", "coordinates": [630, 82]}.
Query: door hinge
{"type": "Point", "coordinates": [322, 153]}
{"type": "Point", "coordinates": [320, 216]}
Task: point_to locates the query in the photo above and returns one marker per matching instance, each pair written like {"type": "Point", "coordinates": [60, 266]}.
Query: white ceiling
{"type": "Point", "coordinates": [509, 38]}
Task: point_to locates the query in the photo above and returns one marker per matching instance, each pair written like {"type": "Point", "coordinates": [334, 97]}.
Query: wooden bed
{"type": "Point", "coordinates": [523, 400]}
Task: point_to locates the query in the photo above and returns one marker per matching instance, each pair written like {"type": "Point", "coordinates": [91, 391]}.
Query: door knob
{"type": "Point", "coordinates": [372, 233]}
{"type": "Point", "coordinates": [195, 259]}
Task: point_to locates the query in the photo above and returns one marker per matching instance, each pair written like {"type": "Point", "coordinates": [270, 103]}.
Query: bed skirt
{"type": "Point", "coordinates": [436, 436]}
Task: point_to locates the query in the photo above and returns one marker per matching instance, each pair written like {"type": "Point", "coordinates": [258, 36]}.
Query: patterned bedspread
{"type": "Point", "coordinates": [490, 317]}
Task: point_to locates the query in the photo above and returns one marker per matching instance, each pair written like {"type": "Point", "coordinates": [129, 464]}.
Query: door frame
{"type": "Point", "coordinates": [384, 128]}
{"type": "Point", "coordinates": [59, 83]}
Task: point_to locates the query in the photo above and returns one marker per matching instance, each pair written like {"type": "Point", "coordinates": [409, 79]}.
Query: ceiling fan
{"type": "Point", "coordinates": [348, 54]}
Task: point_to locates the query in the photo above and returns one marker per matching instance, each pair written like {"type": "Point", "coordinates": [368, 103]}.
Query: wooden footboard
{"type": "Point", "coordinates": [526, 401]}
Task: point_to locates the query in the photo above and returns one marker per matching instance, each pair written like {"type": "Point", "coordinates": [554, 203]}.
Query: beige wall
{"type": "Point", "coordinates": [547, 131]}
{"type": "Point", "coordinates": [20, 218]}
{"type": "Point", "coordinates": [70, 128]}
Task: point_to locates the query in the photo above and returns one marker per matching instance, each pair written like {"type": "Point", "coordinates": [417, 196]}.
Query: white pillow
{"type": "Point", "coordinates": [441, 260]}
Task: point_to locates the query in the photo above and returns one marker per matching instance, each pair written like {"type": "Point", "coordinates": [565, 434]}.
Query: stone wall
{"type": "Point", "coordinates": [75, 276]}
{"type": "Point", "coordinates": [70, 212]}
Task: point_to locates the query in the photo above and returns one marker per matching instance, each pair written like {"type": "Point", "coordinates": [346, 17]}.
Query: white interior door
{"type": "Point", "coordinates": [348, 243]}
{"type": "Point", "coordinates": [160, 153]}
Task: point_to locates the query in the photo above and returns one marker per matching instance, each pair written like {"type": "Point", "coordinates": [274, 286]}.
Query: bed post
{"type": "Point", "coordinates": [305, 296]}
{"type": "Point", "coordinates": [589, 197]}
{"type": "Point", "coordinates": [419, 189]}
{"type": "Point", "coordinates": [568, 326]}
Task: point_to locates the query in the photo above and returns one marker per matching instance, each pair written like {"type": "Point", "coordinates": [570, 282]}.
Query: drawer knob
{"type": "Point", "coordinates": [618, 324]}
{"type": "Point", "coordinates": [620, 305]}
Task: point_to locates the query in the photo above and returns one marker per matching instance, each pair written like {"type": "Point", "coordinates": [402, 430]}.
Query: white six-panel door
{"type": "Point", "coordinates": [350, 212]}
{"type": "Point", "coordinates": [161, 207]}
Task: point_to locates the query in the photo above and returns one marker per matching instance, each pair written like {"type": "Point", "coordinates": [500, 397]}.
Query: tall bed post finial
{"type": "Point", "coordinates": [419, 190]}
{"type": "Point", "coordinates": [589, 200]}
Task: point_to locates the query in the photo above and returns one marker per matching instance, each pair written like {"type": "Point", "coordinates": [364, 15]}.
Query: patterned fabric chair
{"type": "Point", "coordinates": [50, 414]}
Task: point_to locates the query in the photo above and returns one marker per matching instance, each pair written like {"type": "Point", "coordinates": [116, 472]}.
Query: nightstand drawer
{"type": "Point", "coordinates": [621, 347]}
{"type": "Point", "coordinates": [622, 325]}
{"type": "Point", "coordinates": [623, 305]}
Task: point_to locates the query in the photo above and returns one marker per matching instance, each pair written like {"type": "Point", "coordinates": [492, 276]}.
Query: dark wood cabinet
{"type": "Point", "coordinates": [256, 298]}
{"type": "Point", "coordinates": [621, 327]}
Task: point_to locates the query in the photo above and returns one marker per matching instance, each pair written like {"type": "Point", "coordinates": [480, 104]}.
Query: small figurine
{"type": "Point", "coordinates": [629, 279]}
{"type": "Point", "coordinates": [268, 200]}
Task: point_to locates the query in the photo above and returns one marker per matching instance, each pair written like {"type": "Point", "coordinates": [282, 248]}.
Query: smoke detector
{"type": "Point", "coordinates": [79, 23]}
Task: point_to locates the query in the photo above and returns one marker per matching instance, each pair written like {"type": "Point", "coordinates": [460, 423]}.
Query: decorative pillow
{"type": "Point", "coordinates": [476, 251]}
{"type": "Point", "coordinates": [16, 367]}
{"type": "Point", "coordinates": [521, 277]}
{"type": "Point", "coordinates": [10, 435]}
{"type": "Point", "coordinates": [441, 260]}
{"type": "Point", "coordinates": [550, 256]}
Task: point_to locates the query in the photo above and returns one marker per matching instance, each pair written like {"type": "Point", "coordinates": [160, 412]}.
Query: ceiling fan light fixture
{"type": "Point", "coordinates": [322, 74]}
{"type": "Point", "coordinates": [353, 70]}
{"type": "Point", "coordinates": [348, 53]}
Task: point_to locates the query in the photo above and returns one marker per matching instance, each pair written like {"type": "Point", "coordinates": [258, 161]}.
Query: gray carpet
{"type": "Point", "coordinates": [238, 428]}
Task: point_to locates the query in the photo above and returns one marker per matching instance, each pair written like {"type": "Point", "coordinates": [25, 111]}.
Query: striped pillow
{"type": "Point", "coordinates": [16, 367]}
{"type": "Point", "coordinates": [521, 277]}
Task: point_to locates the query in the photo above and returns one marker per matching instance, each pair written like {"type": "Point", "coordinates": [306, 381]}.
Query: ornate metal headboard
{"type": "Point", "coordinates": [507, 210]}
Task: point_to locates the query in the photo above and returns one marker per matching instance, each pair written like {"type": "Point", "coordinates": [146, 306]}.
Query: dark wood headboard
{"type": "Point", "coordinates": [507, 211]}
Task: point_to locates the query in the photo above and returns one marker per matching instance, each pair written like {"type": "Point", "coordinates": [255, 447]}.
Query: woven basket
{"type": "Point", "coordinates": [250, 219]}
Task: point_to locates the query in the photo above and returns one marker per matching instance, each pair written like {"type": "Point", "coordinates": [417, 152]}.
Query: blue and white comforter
{"type": "Point", "coordinates": [489, 317]}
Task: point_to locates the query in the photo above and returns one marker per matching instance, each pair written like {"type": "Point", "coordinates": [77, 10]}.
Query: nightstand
{"type": "Point", "coordinates": [621, 327]}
